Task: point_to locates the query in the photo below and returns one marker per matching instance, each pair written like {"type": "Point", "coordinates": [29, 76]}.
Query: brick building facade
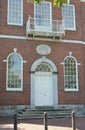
{"type": "Point", "coordinates": [42, 58]}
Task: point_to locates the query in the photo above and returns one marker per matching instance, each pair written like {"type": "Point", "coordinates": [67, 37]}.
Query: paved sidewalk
{"type": "Point", "coordinates": [37, 124]}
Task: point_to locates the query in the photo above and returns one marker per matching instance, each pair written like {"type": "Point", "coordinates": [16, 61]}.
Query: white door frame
{"type": "Point", "coordinates": [55, 82]}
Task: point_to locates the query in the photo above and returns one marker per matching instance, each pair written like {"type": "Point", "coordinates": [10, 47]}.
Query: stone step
{"type": "Point", "coordinates": [40, 116]}
{"type": "Point", "coordinates": [39, 113]}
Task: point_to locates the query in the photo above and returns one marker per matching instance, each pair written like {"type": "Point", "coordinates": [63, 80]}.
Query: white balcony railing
{"type": "Point", "coordinates": [34, 27]}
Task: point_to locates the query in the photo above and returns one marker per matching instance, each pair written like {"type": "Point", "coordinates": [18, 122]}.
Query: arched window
{"type": "Point", "coordinates": [70, 74]}
{"type": "Point", "coordinates": [14, 72]}
{"type": "Point", "coordinates": [43, 67]}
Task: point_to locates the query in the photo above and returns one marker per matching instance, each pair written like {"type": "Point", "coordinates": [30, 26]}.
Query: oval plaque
{"type": "Point", "coordinates": [43, 49]}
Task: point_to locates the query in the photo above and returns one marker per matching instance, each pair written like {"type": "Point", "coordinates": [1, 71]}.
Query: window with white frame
{"type": "Point", "coordinates": [15, 12]}
{"type": "Point", "coordinates": [43, 16]}
{"type": "Point", "coordinates": [14, 72]}
{"type": "Point", "coordinates": [70, 74]}
{"type": "Point", "coordinates": [68, 16]}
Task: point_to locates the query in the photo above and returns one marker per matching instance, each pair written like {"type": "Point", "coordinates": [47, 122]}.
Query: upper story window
{"type": "Point", "coordinates": [14, 72]}
{"type": "Point", "coordinates": [43, 16]}
{"type": "Point", "coordinates": [15, 12]}
{"type": "Point", "coordinates": [68, 16]}
{"type": "Point", "coordinates": [70, 74]}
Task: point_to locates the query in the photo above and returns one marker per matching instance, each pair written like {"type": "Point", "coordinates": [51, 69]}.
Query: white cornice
{"type": "Point", "coordinates": [74, 41]}
{"type": "Point", "coordinates": [12, 37]}
{"type": "Point", "coordinates": [24, 38]}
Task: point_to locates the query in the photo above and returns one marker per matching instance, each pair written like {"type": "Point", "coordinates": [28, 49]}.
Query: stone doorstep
{"type": "Point", "coordinates": [39, 113]}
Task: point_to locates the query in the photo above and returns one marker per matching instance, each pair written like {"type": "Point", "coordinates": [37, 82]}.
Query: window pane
{"type": "Point", "coordinates": [70, 75]}
{"type": "Point", "coordinates": [68, 16]}
{"type": "Point", "coordinates": [14, 71]}
{"type": "Point", "coordinates": [43, 67]}
{"type": "Point", "coordinates": [43, 16]}
{"type": "Point", "coordinates": [15, 12]}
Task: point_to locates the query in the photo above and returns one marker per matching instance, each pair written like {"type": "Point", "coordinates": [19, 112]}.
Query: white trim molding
{"type": "Point", "coordinates": [24, 38]}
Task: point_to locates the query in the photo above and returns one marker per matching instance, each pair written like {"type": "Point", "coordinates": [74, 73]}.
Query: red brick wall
{"type": "Point", "coordinates": [27, 49]}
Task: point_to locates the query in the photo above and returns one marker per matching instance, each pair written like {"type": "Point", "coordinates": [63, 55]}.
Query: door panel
{"type": "Point", "coordinates": [43, 89]}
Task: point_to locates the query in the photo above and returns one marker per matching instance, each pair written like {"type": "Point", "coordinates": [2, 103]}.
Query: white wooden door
{"type": "Point", "coordinates": [43, 89]}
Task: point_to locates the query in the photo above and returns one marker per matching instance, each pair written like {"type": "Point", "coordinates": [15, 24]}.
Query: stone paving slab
{"type": "Point", "coordinates": [37, 124]}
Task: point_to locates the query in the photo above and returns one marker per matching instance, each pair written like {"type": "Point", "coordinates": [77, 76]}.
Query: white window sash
{"type": "Point", "coordinates": [72, 89]}
{"type": "Point", "coordinates": [9, 17]}
{"type": "Point", "coordinates": [44, 27]}
{"type": "Point", "coordinates": [73, 18]}
{"type": "Point", "coordinates": [14, 89]}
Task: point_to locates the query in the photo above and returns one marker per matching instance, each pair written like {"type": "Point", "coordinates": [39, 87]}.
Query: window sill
{"type": "Point", "coordinates": [71, 91]}
{"type": "Point", "coordinates": [14, 90]}
{"type": "Point", "coordinates": [18, 25]}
